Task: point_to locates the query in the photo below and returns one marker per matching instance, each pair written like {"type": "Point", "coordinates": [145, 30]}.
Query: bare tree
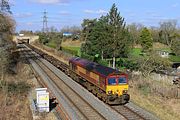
{"type": "Point", "coordinates": [4, 6]}
{"type": "Point", "coordinates": [167, 29]}
{"type": "Point", "coordinates": [73, 29]}
{"type": "Point", "coordinates": [135, 29]}
{"type": "Point", "coordinates": [155, 34]}
{"type": "Point", "coordinates": [6, 29]}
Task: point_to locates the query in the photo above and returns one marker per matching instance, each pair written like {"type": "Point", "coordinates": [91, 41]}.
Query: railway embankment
{"type": "Point", "coordinates": [14, 90]}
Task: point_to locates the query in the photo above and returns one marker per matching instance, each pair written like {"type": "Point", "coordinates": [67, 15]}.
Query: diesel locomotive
{"type": "Point", "coordinates": [106, 83]}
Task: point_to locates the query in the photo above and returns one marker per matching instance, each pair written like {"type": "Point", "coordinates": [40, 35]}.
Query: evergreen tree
{"type": "Point", "coordinates": [87, 26]}
{"type": "Point", "coordinates": [97, 38]}
{"type": "Point", "coordinates": [107, 36]}
{"type": "Point", "coordinates": [120, 39]}
{"type": "Point", "coordinates": [146, 40]}
{"type": "Point", "coordinates": [175, 47]}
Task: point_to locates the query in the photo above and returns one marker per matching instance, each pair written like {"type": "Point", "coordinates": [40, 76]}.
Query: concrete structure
{"type": "Point", "coordinates": [29, 39]}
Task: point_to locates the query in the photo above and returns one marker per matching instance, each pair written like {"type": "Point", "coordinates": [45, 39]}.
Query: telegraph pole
{"type": "Point", "coordinates": [45, 27]}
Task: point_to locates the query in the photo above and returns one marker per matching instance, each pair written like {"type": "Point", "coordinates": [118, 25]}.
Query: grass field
{"type": "Point", "coordinates": [51, 44]}
{"type": "Point", "coordinates": [136, 51]}
{"type": "Point", "coordinates": [141, 93]}
{"type": "Point", "coordinates": [174, 58]}
{"type": "Point", "coordinates": [72, 49]}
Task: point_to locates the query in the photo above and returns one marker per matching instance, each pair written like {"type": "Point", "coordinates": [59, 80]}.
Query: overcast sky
{"type": "Point", "coordinates": [61, 13]}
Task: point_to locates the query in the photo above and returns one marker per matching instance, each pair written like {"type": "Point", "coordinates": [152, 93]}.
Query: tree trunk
{"type": "Point", "coordinates": [102, 53]}
{"type": "Point", "coordinates": [109, 63]}
{"type": "Point", "coordinates": [2, 77]}
{"type": "Point", "coordinates": [114, 62]}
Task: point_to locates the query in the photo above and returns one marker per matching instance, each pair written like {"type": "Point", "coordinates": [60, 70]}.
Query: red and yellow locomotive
{"type": "Point", "coordinates": [108, 84]}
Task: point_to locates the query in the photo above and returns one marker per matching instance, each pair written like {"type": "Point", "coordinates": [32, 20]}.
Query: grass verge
{"type": "Point", "coordinates": [164, 107]}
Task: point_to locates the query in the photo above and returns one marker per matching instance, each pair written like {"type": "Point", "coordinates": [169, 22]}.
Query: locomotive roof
{"type": "Point", "coordinates": [92, 66]}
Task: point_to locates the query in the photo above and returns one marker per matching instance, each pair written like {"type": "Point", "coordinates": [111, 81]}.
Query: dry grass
{"type": "Point", "coordinates": [163, 107]}
{"type": "Point", "coordinates": [58, 54]}
{"type": "Point", "coordinates": [158, 45]}
{"type": "Point", "coordinates": [45, 116]}
{"type": "Point", "coordinates": [69, 42]}
{"type": "Point", "coordinates": [15, 105]}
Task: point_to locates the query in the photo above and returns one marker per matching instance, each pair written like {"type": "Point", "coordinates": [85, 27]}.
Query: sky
{"type": "Point", "coordinates": [28, 14]}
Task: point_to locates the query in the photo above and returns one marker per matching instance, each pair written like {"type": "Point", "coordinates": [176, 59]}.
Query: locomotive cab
{"type": "Point", "coordinates": [117, 89]}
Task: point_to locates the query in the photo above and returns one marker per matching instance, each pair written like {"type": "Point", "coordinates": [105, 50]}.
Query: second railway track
{"type": "Point", "coordinates": [128, 113]}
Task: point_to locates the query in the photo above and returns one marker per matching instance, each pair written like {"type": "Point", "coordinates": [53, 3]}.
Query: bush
{"type": "Point", "coordinates": [174, 58]}
{"type": "Point", "coordinates": [70, 51]}
{"type": "Point", "coordinates": [51, 44]}
{"type": "Point", "coordinates": [18, 88]}
{"type": "Point", "coordinates": [144, 88]}
{"type": "Point", "coordinates": [43, 38]}
{"type": "Point", "coordinates": [103, 62]}
{"type": "Point", "coordinates": [127, 64]}
{"type": "Point", "coordinates": [86, 56]}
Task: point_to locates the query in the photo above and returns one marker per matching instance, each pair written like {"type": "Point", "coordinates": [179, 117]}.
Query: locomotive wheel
{"type": "Point", "coordinates": [94, 90]}
{"type": "Point", "coordinates": [103, 97]}
{"type": "Point", "coordinates": [89, 87]}
{"type": "Point", "coordinates": [99, 96]}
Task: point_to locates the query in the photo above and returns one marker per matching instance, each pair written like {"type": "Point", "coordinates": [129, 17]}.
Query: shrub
{"type": "Point", "coordinates": [51, 44]}
{"type": "Point", "coordinates": [174, 58]}
{"type": "Point", "coordinates": [18, 88]}
{"type": "Point", "coordinates": [103, 62]}
{"type": "Point", "coordinates": [86, 56]}
{"type": "Point", "coordinates": [70, 51]}
{"type": "Point", "coordinates": [127, 63]}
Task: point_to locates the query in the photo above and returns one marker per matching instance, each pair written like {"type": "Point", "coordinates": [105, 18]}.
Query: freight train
{"type": "Point", "coordinates": [109, 85]}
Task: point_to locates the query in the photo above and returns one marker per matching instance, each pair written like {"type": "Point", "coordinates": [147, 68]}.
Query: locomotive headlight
{"type": "Point", "coordinates": [124, 91]}
{"type": "Point", "coordinates": [110, 92]}
{"type": "Point", "coordinates": [117, 91]}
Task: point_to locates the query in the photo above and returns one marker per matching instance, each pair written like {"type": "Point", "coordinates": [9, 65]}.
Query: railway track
{"type": "Point", "coordinates": [128, 113]}
{"type": "Point", "coordinates": [82, 107]}
{"type": "Point", "coordinates": [59, 110]}
{"type": "Point", "coordinates": [85, 109]}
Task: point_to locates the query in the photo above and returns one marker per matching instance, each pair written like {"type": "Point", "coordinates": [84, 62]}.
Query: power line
{"type": "Point", "coordinates": [45, 21]}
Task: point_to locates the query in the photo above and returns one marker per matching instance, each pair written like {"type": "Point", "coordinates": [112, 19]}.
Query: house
{"type": "Point", "coordinates": [163, 53]}
{"type": "Point", "coordinates": [67, 34]}
{"type": "Point", "coordinates": [21, 35]}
